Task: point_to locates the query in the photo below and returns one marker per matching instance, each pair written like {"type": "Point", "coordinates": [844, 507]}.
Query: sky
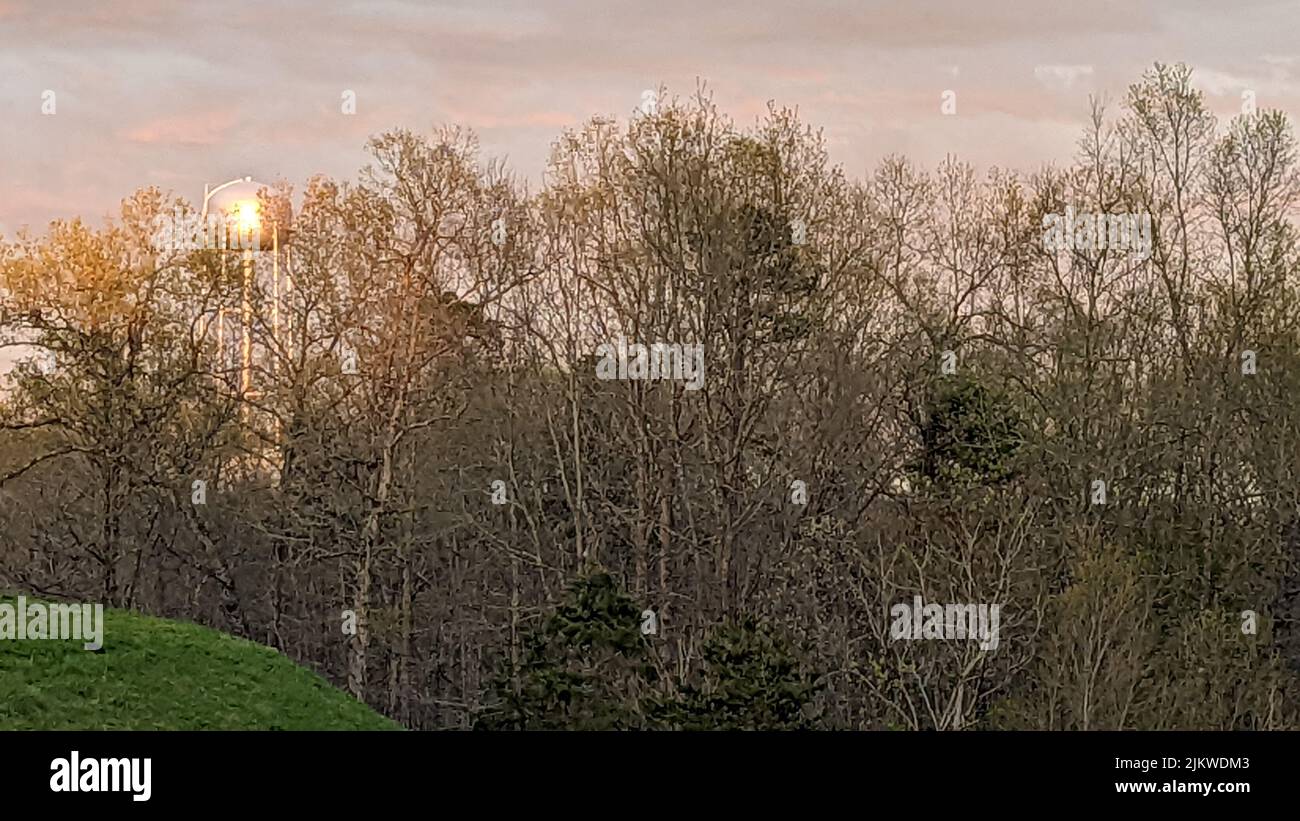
{"type": "Point", "coordinates": [175, 94]}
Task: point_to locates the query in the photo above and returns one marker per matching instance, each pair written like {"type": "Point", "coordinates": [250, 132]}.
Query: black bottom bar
{"type": "Point", "coordinates": [336, 770]}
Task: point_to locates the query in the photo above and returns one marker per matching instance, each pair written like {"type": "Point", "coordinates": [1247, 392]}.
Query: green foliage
{"type": "Point", "coordinates": [970, 435]}
{"type": "Point", "coordinates": [751, 681]}
{"type": "Point", "coordinates": [586, 668]}
{"type": "Point", "coordinates": [589, 668]}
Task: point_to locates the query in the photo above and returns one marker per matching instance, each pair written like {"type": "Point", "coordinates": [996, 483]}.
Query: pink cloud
{"type": "Point", "coordinates": [196, 128]}
{"type": "Point", "coordinates": [197, 92]}
{"type": "Point", "coordinates": [523, 119]}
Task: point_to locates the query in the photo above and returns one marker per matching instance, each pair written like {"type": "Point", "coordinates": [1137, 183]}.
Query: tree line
{"type": "Point", "coordinates": [904, 393]}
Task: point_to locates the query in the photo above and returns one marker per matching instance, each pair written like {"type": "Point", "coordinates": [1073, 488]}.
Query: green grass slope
{"type": "Point", "coordinates": [154, 674]}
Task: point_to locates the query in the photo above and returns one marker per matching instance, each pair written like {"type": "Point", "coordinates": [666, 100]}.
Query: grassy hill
{"type": "Point", "coordinates": [155, 674]}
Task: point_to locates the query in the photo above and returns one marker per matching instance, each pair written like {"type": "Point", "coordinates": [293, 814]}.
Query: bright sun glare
{"type": "Point", "coordinates": [247, 214]}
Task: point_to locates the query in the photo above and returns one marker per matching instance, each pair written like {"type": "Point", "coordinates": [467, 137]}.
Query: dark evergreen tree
{"type": "Point", "coordinates": [970, 435]}
{"type": "Point", "coordinates": [586, 668]}
{"type": "Point", "coordinates": [751, 681]}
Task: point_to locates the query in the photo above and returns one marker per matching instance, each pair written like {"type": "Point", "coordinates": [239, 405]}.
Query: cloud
{"type": "Point", "coordinates": [153, 91]}
{"type": "Point", "coordinates": [196, 128]}
{"type": "Point", "coordinates": [1061, 76]}
{"type": "Point", "coordinates": [1219, 83]}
